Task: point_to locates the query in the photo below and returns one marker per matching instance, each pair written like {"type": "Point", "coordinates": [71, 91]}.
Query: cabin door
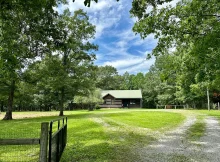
{"type": "Point", "coordinates": [125, 103]}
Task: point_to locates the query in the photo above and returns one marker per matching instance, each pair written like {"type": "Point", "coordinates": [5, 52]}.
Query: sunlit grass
{"type": "Point", "coordinates": [215, 113]}
{"type": "Point", "coordinates": [89, 140]}
{"type": "Point", "coordinates": [152, 120]}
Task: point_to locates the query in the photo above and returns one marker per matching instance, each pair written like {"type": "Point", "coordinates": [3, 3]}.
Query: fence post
{"type": "Point", "coordinates": [43, 142]}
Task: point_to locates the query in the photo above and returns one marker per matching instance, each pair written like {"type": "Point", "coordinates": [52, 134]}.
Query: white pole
{"type": "Point", "coordinates": [208, 98]}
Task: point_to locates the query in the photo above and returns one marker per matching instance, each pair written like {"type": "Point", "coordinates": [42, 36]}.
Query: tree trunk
{"type": "Point", "coordinates": [61, 102]}
{"type": "Point", "coordinates": [2, 106]}
{"type": "Point", "coordinates": [62, 90]}
{"type": "Point", "coordinates": [8, 115]}
{"type": "Point", "coordinates": [208, 100]}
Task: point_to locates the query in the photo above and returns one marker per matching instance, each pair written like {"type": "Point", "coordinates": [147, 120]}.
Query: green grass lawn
{"type": "Point", "coordinates": [197, 130]}
{"type": "Point", "coordinates": [215, 113]}
{"type": "Point", "coordinates": [101, 135]}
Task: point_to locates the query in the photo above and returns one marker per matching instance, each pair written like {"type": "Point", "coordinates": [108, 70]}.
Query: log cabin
{"type": "Point", "coordinates": [121, 99]}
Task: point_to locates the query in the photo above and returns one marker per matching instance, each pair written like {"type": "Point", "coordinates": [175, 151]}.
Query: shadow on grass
{"type": "Point", "coordinates": [87, 140]}
{"type": "Point", "coordinates": [104, 146]}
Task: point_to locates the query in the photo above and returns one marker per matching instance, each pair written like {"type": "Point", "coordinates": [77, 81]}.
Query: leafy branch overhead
{"type": "Point", "coordinates": [174, 23]}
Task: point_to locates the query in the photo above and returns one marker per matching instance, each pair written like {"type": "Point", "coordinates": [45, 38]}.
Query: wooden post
{"type": "Point", "coordinates": [218, 106]}
{"type": "Point", "coordinates": [175, 106]}
{"type": "Point", "coordinates": [43, 142]}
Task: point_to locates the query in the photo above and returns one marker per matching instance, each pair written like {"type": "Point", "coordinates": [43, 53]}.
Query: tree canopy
{"type": "Point", "coordinates": [47, 59]}
{"type": "Point", "coordinates": [34, 30]}
{"type": "Point", "coordinates": [191, 29]}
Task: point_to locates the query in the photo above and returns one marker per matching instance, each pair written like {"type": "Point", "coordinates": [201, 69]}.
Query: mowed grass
{"type": "Point", "coordinates": [152, 119]}
{"type": "Point", "coordinates": [215, 113]}
{"type": "Point", "coordinates": [197, 130]}
{"type": "Point", "coordinates": [102, 135]}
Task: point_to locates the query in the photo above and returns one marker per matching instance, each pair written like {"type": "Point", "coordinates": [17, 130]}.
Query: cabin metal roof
{"type": "Point", "coordinates": [122, 93]}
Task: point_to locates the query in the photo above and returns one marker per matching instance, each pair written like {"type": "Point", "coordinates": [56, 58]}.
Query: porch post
{"type": "Point", "coordinates": [141, 103]}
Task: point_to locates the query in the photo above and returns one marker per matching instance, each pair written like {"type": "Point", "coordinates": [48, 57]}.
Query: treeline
{"type": "Point", "coordinates": [47, 59]}
{"type": "Point", "coordinates": [188, 49]}
{"type": "Point", "coordinates": [163, 84]}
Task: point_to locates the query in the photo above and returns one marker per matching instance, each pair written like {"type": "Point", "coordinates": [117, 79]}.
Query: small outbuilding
{"type": "Point", "coordinates": [122, 98]}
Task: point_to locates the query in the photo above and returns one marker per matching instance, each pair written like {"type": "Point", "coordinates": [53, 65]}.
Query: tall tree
{"type": "Point", "coordinates": [191, 25]}
{"type": "Point", "coordinates": [26, 30]}
{"type": "Point", "coordinates": [76, 50]}
{"type": "Point", "coordinates": [69, 71]}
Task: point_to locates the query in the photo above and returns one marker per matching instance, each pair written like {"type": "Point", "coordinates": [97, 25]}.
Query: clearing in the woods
{"type": "Point", "coordinates": [124, 135]}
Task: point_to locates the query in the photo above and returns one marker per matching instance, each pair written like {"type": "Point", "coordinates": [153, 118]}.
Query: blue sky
{"type": "Point", "coordinates": [118, 44]}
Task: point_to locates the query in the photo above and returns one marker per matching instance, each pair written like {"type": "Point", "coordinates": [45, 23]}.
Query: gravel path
{"type": "Point", "coordinates": [173, 146]}
{"type": "Point", "coordinates": [211, 141]}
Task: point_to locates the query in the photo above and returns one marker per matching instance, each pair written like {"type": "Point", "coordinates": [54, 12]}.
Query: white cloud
{"type": "Point", "coordinates": [117, 53]}
{"type": "Point", "coordinates": [132, 65]}
{"type": "Point", "coordinates": [127, 37]}
{"type": "Point", "coordinates": [120, 64]}
{"type": "Point", "coordinates": [124, 50]}
{"type": "Point", "coordinates": [103, 14]}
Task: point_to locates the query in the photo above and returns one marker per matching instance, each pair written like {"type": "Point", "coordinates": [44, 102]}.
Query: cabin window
{"type": "Point", "coordinates": [132, 102]}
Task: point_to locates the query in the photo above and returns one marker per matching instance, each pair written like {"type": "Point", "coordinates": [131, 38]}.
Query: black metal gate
{"type": "Point", "coordinates": [58, 139]}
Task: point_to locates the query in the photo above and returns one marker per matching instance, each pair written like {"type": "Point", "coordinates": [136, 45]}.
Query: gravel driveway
{"type": "Point", "coordinates": [174, 147]}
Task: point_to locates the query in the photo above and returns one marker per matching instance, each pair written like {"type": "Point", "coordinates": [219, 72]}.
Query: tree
{"type": "Point", "coordinates": [149, 92]}
{"type": "Point", "coordinates": [75, 51]}
{"type": "Point", "coordinates": [138, 81]}
{"type": "Point", "coordinates": [69, 71]}
{"type": "Point", "coordinates": [106, 77]}
{"type": "Point", "coordinates": [191, 28]}
{"type": "Point", "coordinates": [26, 32]}
{"type": "Point", "coordinates": [91, 99]}
{"type": "Point", "coordinates": [187, 21]}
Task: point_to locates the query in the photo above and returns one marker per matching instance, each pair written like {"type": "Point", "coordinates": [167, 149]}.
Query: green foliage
{"type": "Point", "coordinates": [187, 21]}
{"type": "Point", "coordinates": [64, 71]}
{"type": "Point", "coordinates": [106, 77]}
{"type": "Point", "coordinates": [190, 29]}
{"type": "Point", "coordinates": [93, 99]}
{"type": "Point", "coordinates": [88, 2]}
{"type": "Point", "coordinates": [26, 33]}
{"type": "Point", "coordinates": [138, 81]}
